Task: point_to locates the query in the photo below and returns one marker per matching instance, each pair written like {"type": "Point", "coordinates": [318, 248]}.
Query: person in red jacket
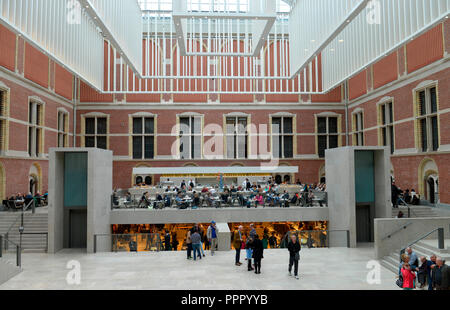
{"type": "Point", "coordinates": [408, 277]}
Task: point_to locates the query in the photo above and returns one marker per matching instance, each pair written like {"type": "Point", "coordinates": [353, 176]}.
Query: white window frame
{"type": "Point", "coordinates": [236, 136]}
{"type": "Point", "coordinates": [190, 135]}
{"type": "Point", "coordinates": [428, 116]}
{"type": "Point", "coordinates": [282, 134]}
{"type": "Point", "coordinates": [143, 135]}
{"type": "Point", "coordinates": [96, 134]}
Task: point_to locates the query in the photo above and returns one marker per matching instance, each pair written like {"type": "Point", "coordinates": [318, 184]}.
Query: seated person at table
{"type": "Point", "coordinates": [225, 196]}
{"type": "Point", "coordinates": [19, 199]}
{"type": "Point", "coordinates": [196, 201]}
{"type": "Point", "coordinates": [295, 198]}
{"type": "Point", "coordinates": [167, 201]}
{"type": "Point", "coordinates": [28, 198]}
{"type": "Point", "coordinates": [233, 189]}
{"type": "Point", "coordinates": [128, 197]}
{"type": "Point", "coordinates": [205, 190]}
{"type": "Point", "coordinates": [258, 200]}
{"type": "Point", "coordinates": [45, 197]}
{"type": "Point", "coordinates": [180, 202]}
{"type": "Point", "coordinates": [144, 200]}
{"type": "Point", "coordinates": [115, 199]}
{"type": "Point", "coordinates": [38, 199]}
{"type": "Point", "coordinates": [285, 196]}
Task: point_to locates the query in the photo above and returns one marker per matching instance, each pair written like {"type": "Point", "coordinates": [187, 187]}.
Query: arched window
{"type": "Point", "coordinates": [148, 180]}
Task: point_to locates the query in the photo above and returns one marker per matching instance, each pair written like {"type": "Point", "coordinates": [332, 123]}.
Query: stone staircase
{"type": "Point", "coordinates": [33, 223]}
{"type": "Point", "coordinates": [422, 248]}
{"type": "Point", "coordinates": [416, 211]}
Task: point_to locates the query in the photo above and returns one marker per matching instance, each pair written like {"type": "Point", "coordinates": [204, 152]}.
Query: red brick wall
{"type": "Point", "coordinates": [334, 95]}
{"type": "Point", "coordinates": [18, 170]}
{"type": "Point", "coordinates": [87, 94]}
{"type": "Point", "coordinates": [63, 82]}
{"type": "Point", "coordinates": [357, 86]}
{"type": "Point", "coordinates": [36, 66]}
{"type": "Point", "coordinates": [425, 49]}
{"type": "Point", "coordinates": [385, 71]}
{"type": "Point", "coordinates": [8, 48]}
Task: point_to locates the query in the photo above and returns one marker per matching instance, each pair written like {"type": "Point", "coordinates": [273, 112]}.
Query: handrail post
{"type": "Point", "coordinates": [441, 245]}
{"type": "Point", "coordinates": [95, 244]}
{"type": "Point", "coordinates": [348, 238]}
{"type": "Point", "coordinates": [19, 257]}
{"type": "Point", "coordinates": [6, 241]}
{"type": "Point", "coordinates": [1, 246]}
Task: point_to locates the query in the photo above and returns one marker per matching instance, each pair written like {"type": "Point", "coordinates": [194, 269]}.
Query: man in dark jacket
{"type": "Point", "coordinates": [294, 254]}
{"type": "Point", "coordinates": [441, 275]}
{"type": "Point", "coordinates": [394, 195]}
{"type": "Point", "coordinates": [258, 253]}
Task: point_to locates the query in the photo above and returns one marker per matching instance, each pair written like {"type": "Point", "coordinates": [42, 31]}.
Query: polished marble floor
{"type": "Point", "coordinates": [336, 268]}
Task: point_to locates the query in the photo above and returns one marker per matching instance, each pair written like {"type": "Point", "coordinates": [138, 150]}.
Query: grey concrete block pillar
{"type": "Point", "coordinates": [224, 237]}
{"type": "Point", "coordinates": [98, 208]}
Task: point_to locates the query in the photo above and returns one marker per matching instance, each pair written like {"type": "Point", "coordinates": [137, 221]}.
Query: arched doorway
{"type": "Point", "coordinates": [278, 179]}
{"type": "Point", "coordinates": [34, 179]}
{"type": "Point", "coordinates": [32, 184]}
{"type": "Point", "coordinates": [148, 180]}
{"type": "Point", "coordinates": [431, 190]}
{"type": "Point", "coordinates": [139, 180]}
{"type": "Point", "coordinates": [429, 180]}
{"type": "Point", "coordinates": [322, 178]}
{"type": "Point", "coordinates": [287, 179]}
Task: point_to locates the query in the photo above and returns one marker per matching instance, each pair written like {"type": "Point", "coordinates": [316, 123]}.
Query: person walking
{"type": "Point", "coordinates": [196, 240]}
{"type": "Point", "coordinates": [273, 241]}
{"type": "Point", "coordinates": [174, 241]}
{"type": "Point", "coordinates": [189, 245]}
{"type": "Point", "coordinates": [294, 254]}
{"type": "Point", "coordinates": [258, 253]}
{"type": "Point", "coordinates": [249, 252]}
{"type": "Point", "coordinates": [237, 238]}
{"type": "Point", "coordinates": [167, 241]}
{"type": "Point", "coordinates": [211, 235]}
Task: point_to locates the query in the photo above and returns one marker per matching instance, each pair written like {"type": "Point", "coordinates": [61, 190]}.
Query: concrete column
{"type": "Point", "coordinates": [224, 237]}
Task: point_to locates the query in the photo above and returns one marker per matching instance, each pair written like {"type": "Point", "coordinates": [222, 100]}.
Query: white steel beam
{"type": "Point", "coordinates": [121, 23]}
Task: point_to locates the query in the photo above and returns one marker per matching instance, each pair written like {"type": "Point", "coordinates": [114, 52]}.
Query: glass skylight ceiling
{"type": "Point", "coordinates": [205, 5]}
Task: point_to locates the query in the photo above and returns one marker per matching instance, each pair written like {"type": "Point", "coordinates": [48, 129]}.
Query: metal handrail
{"type": "Point", "coordinates": [19, 216]}
{"type": "Point", "coordinates": [398, 230]}
{"type": "Point", "coordinates": [421, 238]}
{"type": "Point", "coordinates": [18, 250]}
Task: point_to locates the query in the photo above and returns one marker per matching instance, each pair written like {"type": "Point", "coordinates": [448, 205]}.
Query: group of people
{"type": "Point", "coordinates": [254, 249]}
{"type": "Point", "coordinates": [422, 273]}
{"type": "Point", "coordinates": [195, 238]}
{"type": "Point", "coordinates": [399, 196]}
{"type": "Point", "coordinates": [20, 200]}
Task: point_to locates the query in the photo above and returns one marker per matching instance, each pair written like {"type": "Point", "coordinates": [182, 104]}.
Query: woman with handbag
{"type": "Point", "coordinates": [294, 254]}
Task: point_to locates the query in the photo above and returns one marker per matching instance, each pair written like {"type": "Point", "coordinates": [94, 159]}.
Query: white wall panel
{"type": "Point", "coordinates": [375, 32]}
{"type": "Point", "coordinates": [63, 30]}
